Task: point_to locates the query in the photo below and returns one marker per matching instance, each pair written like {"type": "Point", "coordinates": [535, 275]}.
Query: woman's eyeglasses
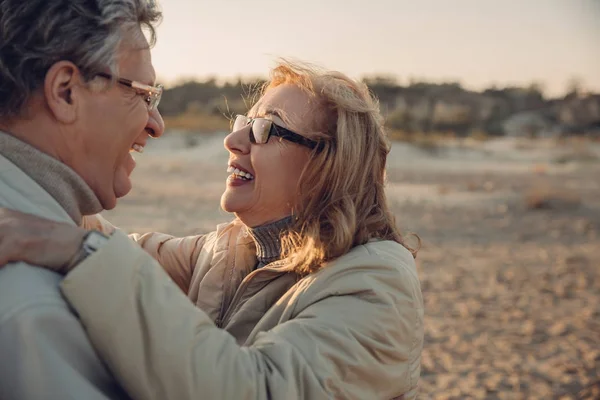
{"type": "Point", "coordinates": [150, 94]}
{"type": "Point", "coordinates": [262, 129]}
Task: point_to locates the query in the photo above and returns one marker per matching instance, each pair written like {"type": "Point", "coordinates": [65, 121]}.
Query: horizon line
{"type": "Point", "coordinates": [582, 87]}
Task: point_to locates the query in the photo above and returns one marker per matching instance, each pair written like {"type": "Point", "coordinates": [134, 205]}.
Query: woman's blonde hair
{"type": "Point", "coordinates": [341, 202]}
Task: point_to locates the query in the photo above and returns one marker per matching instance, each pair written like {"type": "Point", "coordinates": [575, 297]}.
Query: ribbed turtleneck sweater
{"type": "Point", "coordinates": [268, 240]}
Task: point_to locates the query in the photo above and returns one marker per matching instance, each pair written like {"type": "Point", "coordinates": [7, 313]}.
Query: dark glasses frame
{"type": "Point", "coordinates": [273, 130]}
{"type": "Point", "coordinates": [151, 94]}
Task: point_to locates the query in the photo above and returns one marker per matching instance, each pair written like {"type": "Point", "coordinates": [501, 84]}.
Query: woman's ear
{"type": "Point", "coordinates": [62, 85]}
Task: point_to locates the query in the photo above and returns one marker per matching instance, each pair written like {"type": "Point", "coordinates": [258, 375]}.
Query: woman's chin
{"type": "Point", "coordinates": [230, 202]}
{"type": "Point", "coordinates": [230, 206]}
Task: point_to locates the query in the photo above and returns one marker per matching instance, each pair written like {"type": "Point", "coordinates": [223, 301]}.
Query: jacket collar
{"type": "Point", "coordinates": [57, 179]}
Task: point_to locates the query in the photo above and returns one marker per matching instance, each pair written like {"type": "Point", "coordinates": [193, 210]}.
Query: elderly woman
{"type": "Point", "coordinates": [309, 292]}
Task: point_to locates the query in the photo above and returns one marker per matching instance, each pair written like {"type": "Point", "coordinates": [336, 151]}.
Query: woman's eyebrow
{"type": "Point", "coordinates": [273, 112]}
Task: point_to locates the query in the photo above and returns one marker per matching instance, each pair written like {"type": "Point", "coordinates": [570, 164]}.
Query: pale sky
{"type": "Point", "coordinates": [475, 42]}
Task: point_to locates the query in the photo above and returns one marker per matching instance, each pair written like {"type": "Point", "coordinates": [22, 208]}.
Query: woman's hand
{"type": "Point", "coordinates": [37, 241]}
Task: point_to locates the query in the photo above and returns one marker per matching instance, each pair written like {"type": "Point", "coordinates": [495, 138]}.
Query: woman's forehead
{"type": "Point", "coordinates": [286, 102]}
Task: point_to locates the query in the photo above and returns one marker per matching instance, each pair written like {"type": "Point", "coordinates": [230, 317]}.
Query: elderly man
{"type": "Point", "coordinates": [77, 95]}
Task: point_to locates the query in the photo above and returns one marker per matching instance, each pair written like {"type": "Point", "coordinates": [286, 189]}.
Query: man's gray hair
{"type": "Point", "coordinates": [35, 34]}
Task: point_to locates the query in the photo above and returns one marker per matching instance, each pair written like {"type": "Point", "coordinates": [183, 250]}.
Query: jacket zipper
{"type": "Point", "coordinates": [223, 311]}
{"type": "Point", "coordinates": [239, 293]}
{"type": "Point", "coordinates": [226, 286]}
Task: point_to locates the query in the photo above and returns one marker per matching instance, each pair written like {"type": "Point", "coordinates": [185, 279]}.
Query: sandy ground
{"type": "Point", "coordinates": [510, 262]}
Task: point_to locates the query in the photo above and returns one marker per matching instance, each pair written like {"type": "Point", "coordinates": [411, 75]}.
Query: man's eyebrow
{"type": "Point", "coordinates": [147, 82]}
{"type": "Point", "coordinates": [151, 80]}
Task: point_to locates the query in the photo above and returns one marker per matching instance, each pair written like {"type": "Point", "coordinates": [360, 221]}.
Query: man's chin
{"type": "Point", "coordinates": [122, 188]}
{"type": "Point", "coordinates": [122, 184]}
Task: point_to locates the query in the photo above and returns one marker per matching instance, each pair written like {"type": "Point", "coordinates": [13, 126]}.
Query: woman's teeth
{"type": "Point", "coordinates": [241, 174]}
{"type": "Point", "coordinates": [138, 148]}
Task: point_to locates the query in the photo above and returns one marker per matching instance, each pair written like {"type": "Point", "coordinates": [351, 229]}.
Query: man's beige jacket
{"type": "Point", "coordinates": [45, 353]}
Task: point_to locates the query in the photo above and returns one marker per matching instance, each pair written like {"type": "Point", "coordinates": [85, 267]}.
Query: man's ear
{"type": "Point", "coordinates": [62, 88]}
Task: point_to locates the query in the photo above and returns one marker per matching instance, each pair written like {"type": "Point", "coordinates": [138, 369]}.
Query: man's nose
{"type": "Point", "coordinates": [156, 125]}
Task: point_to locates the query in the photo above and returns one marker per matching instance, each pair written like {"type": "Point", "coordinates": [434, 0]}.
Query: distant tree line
{"type": "Point", "coordinates": [417, 107]}
{"type": "Point", "coordinates": [209, 97]}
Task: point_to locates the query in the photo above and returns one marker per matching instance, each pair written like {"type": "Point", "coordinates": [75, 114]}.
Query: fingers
{"type": "Point", "coordinates": [7, 226]}
{"type": "Point", "coordinates": [7, 250]}
{"type": "Point", "coordinates": [4, 256]}
{"type": "Point", "coordinates": [35, 240]}
{"type": "Point", "coordinates": [11, 215]}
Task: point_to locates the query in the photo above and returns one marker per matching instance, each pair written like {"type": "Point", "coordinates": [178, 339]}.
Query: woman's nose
{"type": "Point", "coordinates": [238, 141]}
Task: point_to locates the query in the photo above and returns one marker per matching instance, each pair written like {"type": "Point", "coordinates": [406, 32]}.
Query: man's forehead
{"type": "Point", "coordinates": [135, 59]}
{"type": "Point", "coordinates": [136, 64]}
